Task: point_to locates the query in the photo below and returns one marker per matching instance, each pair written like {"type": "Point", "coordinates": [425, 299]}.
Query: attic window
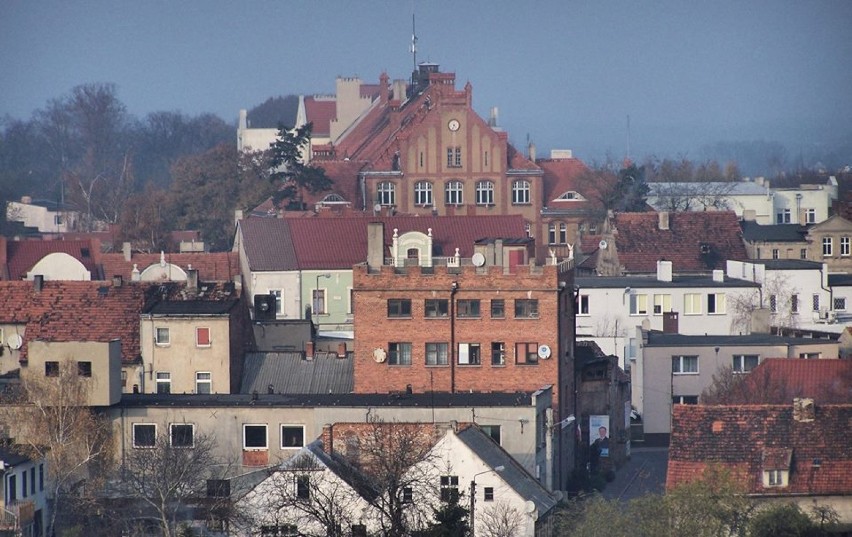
{"type": "Point", "coordinates": [776, 478]}
{"type": "Point", "coordinates": [570, 195]}
{"type": "Point", "coordinates": [776, 466]}
{"type": "Point", "coordinates": [84, 252]}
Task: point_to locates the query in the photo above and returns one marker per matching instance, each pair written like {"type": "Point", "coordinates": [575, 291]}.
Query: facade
{"type": "Point", "coordinates": [831, 243]}
{"type": "Point", "coordinates": [23, 503]}
{"type": "Point", "coordinates": [775, 241]}
{"type": "Point", "coordinates": [674, 369]}
{"type": "Point", "coordinates": [754, 199]}
{"type": "Point", "coordinates": [44, 215]}
{"type": "Point", "coordinates": [98, 364]}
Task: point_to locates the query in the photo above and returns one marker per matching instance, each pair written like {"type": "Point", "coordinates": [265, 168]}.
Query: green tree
{"type": "Point", "coordinates": [451, 519]}
{"type": "Point", "coordinates": [784, 520]}
{"type": "Point", "coordinates": [291, 175]}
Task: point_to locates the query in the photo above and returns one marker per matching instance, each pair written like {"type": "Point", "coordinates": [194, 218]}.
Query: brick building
{"type": "Point", "coordinates": [497, 322]}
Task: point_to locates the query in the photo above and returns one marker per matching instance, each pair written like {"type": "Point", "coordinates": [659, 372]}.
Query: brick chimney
{"type": "Point", "coordinates": [328, 438]}
{"type": "Point", "coordinates": [803, 410]}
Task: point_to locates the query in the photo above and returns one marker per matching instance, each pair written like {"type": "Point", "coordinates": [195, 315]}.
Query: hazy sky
{"type": "Point", "coordinates": [566, 73]}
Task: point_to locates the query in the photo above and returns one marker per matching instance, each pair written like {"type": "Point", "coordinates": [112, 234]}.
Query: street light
{"type": "Point", "coordinates": [316, 293]}
{"type": "Point", "coordinates": [473, 493]}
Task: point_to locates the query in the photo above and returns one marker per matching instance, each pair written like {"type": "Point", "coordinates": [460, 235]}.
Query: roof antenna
{"type": "Point", "coordinates": [413, 38]}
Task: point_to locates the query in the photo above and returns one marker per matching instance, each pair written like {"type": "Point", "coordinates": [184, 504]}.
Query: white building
{"type": "Point", "coordinates": [47, 216]}
{"type": "Point", "coordinates": [23, 501]}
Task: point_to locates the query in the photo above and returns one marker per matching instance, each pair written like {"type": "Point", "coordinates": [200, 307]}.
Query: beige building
{"type": "Point", "coordinates": [831, 243]}
{"type": "Point", "coordinates": [98, 364]}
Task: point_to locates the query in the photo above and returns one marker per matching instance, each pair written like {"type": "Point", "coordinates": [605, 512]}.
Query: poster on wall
{"type": "Point", "coordinates": [599, 434]}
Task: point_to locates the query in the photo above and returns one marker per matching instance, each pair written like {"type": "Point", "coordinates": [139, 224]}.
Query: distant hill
{"type": "Point", "coordinates": [273, 112]}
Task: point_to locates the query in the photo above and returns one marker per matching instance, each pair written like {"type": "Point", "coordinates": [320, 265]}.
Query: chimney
{"type": "Point", "coordinates": [803, 410]}
{"type": "Point", "coordinates": [243, 119]}
{"type": "Point", "coordinates": [328, 438]}
{"type": "Point", "coordinates": [670, 322]}
{"type": "Point", "coordinates": [718, 275]}
{"type": "Point", "coordinates": [125, 249]}
{"type": "Point", "coordinates": [531, 151]}
{"type": "Point", "coordinates": [309, 350]}
{"type": "Point", "coordinates": [26, 200]}
{"type": "Point", "coordinates": [38, 283]}
{"type": "Point", "coordinates": [664, 270]}
{"type": "Point", "coordinates": [375, 245]}
{"type": "Point", "coordinates": [117, 281]}
{"type": "Point", "coordinates": [399, 90]}
{"type": "Point", "coordinates": [341, 350]}
{"type": "Point", "coordinates": [760, 321]}
{"type": "Point", "coordinates": [383, 87]}
{"type": "Point", "coordinates": [750, 215]}
{"type": "Point", "coordinates": [192, 280]}
{"type": "Point", "coordinates": [663, 220]}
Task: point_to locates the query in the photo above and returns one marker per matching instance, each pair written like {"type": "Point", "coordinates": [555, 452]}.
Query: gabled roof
{"type": "Point", "coordinates": [273, 244]}
{"type": "Point", "coordinates": [292, 373]}
{"type": "Point", "coordinates": [693, 242]}
{"type": "Point", "coordinates": [320, 111]}
{"type": "Point", "coordinates": [23, 255]}
{"type": "Point", "coordinates": [824, 381]}
{"type": "Point", "coordinates": [77, 311]}
{"type": "Point", "coordinates": [560, 176]}
{"type": "Point", "coordinates": [211, 267]}
{"type": "Point", "coordinates": [740, 438]}
{"type": "Point", "coordinates": [752, 232]}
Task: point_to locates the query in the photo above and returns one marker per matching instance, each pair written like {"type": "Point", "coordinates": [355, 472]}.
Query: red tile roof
{"type": "Point", "coordinates": [212, 267]}
{"type": "Point", "coordinates": [824, 381]}
{"type": "Point", "coordinates": [320, 111]}
{"type": "Point", "coordinates": [76, 311]}
{"type": "Point", "coordinates": [562, 175]}
{"type": "Point", "coordinates": [641, 243]}
{"type": "Point", "coordinates": [23, 255]}
{"type": "Point", "coordinates": [740, 438]}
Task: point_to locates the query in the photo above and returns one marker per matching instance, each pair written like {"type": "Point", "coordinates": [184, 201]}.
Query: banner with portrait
{"type": "Point", "coordinates": [599, 434]}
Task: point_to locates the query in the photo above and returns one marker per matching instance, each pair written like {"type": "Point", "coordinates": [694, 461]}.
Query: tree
{"type": "Point", "coordinates": [785, 520]}
{"type": "Point", "coordinates": [52, 422]}
{"type": "Point", "coordinates": [146, 220]}
{"type": "Point", "coordinates": [168, 476]}
{"type": "Point", "coordinates": [499, 520]}
{"type": "Point", "coordinates": [451, 519]}
{"type": "Point", "coordinates": [775, 293]}
{"type": "Point", "coordinates": [291, 175]}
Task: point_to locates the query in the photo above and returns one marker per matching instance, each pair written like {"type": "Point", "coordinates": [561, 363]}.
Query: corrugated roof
{"type": "Point", "coordinates": [291, 373]}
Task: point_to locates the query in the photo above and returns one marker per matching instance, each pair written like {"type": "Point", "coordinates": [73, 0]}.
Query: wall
{"type": "Point", "coordinates": [105, 382]}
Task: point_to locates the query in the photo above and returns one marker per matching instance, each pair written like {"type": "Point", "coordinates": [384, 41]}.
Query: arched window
{"type": "Point", "coordinates": [422, 193]}
{"type": "Point", "coordinates": [385, 194]}
{"type": "Point", "coordinates": [520, 192]}
{"type": "Point", "coordinates": [484, 193]}
{"type": "Point", "coordinates": [454, 193]}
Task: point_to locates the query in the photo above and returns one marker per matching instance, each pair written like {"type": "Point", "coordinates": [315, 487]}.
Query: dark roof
{"type": "Point", "coordinates": [752, 231]}
{"type": "Point", "coordinates": [291, 373]}
{"type": "Point", "coordinates": [445, 400]}
{"type": "Point", "coordinates": [659, 339]}
{"type": "Point", "coordinates": [11, 458]}
{"type": "Point", "coordinates": [642, 282]}
{"type": "Point", "coordinates": [513, 473]}
{"type": "Point", "coordinates": [742, 439]}
{"type": "Point", "coordinates": [192, 307]}
{"type": "Point", "coordinates": [839, 280]}
{"type": "Point", "coordinates": [789, 264]}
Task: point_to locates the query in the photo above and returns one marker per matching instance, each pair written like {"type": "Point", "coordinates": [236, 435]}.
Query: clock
{"type": "Point", "coordinates": [454, 125]}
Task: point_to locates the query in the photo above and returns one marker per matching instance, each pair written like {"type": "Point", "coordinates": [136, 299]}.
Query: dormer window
{"type": "Point", "coordinates": [570, 195]}
{"type": "Point", "coordinates": [776, 467]}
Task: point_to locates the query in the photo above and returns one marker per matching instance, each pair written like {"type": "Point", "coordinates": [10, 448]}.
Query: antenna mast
{"type": "Point", "coordinates": [413, 38]}
{"type": "Point", "coordinates": [628, 136]}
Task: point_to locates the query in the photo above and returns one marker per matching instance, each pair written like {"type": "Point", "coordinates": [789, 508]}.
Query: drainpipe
{"type": "Point", "coordinates": [454, 287]}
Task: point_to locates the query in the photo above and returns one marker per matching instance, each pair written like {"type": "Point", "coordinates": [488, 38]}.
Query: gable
{"type": "Point", "coordinates": [60, 266]}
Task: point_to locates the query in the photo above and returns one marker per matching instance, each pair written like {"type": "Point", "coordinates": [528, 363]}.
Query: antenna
{"type": "Point", "coordinates": [628, 136]}
{"type": "Point", "coordinates": [413, 38]}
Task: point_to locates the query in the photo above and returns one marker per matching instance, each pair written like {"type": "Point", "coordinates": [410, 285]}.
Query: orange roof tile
{"type": "Point", "coordinates": [23, 255]}
{"type": "Point", "coordinates": [212, 267]}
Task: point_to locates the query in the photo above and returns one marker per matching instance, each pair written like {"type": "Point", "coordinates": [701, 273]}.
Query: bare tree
{"type": "Point", "coordinates": [500, 520]}
{"type": "Point", "coordinates": [51, 421]}
{"type": "Point", "coordinates": [776, 294]}
{"type": "Point", "coordinates": [171, 474]}
{"type": "Point", "coordinates": [759, 386]}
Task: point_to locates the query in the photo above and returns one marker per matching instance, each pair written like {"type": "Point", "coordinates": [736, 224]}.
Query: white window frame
{"type": "Point", "coordinates": [692, 304]}
{"type": "Point", "coordinates": [133, 435]}
{"type": "Point", "coordinates": [827, 246]}
{"type": "Point", "coordinates": [719, 304]}
{"type": "Point", "coordinates": [386, 194]}
{"type": "Point", "coordinates": [209, 337]}
{"type": "Point", "coordinates": [454, 192]}
{"type": "Point", "coordinates": [739, 362]}
{"type": "Point", "coordinates": [662, 304]}
{"type": "Point", "coordinates": [208, 381]}
{"type": "Point", "coordinates": [639, 304]}
{"type": "Point", "coordinates": [775, 478]}
{"type": "Point", "coordinates": [810, 216]}
{"type": "Point", "coordinates": [171, 434]}
{"type": "Point", "coordinates": [844, 247]}
{"type": "Point", "coordinates": [279, 300]}
{"type": "Point", "coordinates": [783, 216]}
{"type": "Point", "coordinates": [316, 299]}
{"type": "Point", "coordinates": [521, 192]}
{"type": "Point", "coordinates": [291, 426]}
{"type": "Point", "coordinates": [485, 192]}
{"type": "Point", "coordinates": [681, 364]}
{"type": "Point", "coordinates": [839, 303]}
{"type": "Point", "coordinates": [423, 193]}
{"type": "Point", "coordinates": [266, 444]}
{"type": "Point", "coordinates": [162, 342]}
{"type": "Point", "coordinates": [166, 379]}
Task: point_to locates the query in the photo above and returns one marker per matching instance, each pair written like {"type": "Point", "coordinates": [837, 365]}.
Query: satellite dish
{"type": "Point", "coordinates": [544, 352]}
{"type": "Point", "coordinates": [377, 208]}
{"type": "Point", "coordinates": [478, 259]}
{"type": "Point", "coordinates": [602, 245]}
{"type": "Point", "coordinates": [379, 355]}
{"type": "Point", "coordinates": [529, 507]}
{"type": "Point", "coordinates": [15, 341]}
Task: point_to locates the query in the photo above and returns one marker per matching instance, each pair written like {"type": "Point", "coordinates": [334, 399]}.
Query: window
{"type": "Point", "coordinates": [24, 487]}
{"type": "Point", "coordinates": [557, 233]}
{"type": "Point", "coordinates": [716, 303]}
{"type": "Point", "coordinates": [423, 193]}
{"type": "Point", "coordinates": [182, 435]}
{"type": "Point", "coordinates": [810, 216]}
{"type": "Point", "coordinates": [583, 306]}
{"type": "Point", "coordinates": [436, 353]}
{"type": "Point", "coordinates": [844, 246]}
{"type": "Point", "coordinates": [692, 304]}
{"type": "Point", "coordinates": [498, 353]}
{"type": "Point", "coordinates": [685, 400]}
{"type": "Point", "coordinates": [783, 216]}
{"type": "Point", "coordinates": [41, 477]}
{"type": "Point", "coordinates": [449, 488]}
{"type": "Point", "coordinates": [773, 303]}
{"type": "Point", "coordinates": [164, 382]}
{"type": "Point", "coordinates": [203, 382]}
{"type": "Point", "coordinates": [58, 220]}
{"type": "Point", "coordinates": [685, 365]}
{"type": "Point", "coordinates": [488, 494]}
{"type": "Point", "coordinates": [498, 308]}
{"type": "Point", "coordinates": [254, 436]}
{"type": "Point", "coordinates": [520, 192]}
{"type": "Point", "coordinates": [202, 336]}
{"type": "Point", "coordinates": [399, 353]}
{"type": "Point", "coordinates": [32, 480]}
{"type": "Point", "coordinates": [775, 478]}
{"type": "Point", "coordinates": [399, 307]}
{"type": "Point", "coordinates": [743, 363]}
{"type": "Point", "coordinates": [803, 253]}
{"type": "Point", "coordinates": [161, 335]}
{"type": "Point", "coordinates": [279, 304]}
{"type": "Point", "coordinates": [526, 309]}
{"type": "Point", "coordinates": [638, 304]}
{"type": "Point", "coordinates": [12, 489]}
{"type": "Point", "coordinates": [815, 302]}
{"type": "Point", "coordinates": [454, 193]}
{"type": "Point", "coordinates": [292, 436]}
{"type": "Point", "coordinates": [794, 304]}
{"type": "Point", "coordinates": [840, 303]}
{"type": "Point", "coordinates": [84, 369]}
{"type": "Point", "coordinates": [51, 369]}
{"type": "Point", "coordinates": [469, 354]}
{"type": "Point", "coordinates": [484, 193]}
{"type": "Point", "coordinates": [436, 307]}
{"type": "Point", "coordinates": [303, 487]}
{"type": "Point", "coordinates": [810, 355]}
{"type": "Point", "coordinates": [407, 495]}
{"type": "Point", "coordinates": [454, 159]}
{"type": "Point", "coordinates": [827, 246]}
{"type": "Point", "coordinates": [662, 304]}
{"type": "Point", "coordinates": [467, 308]}
{"type": "Point", "coordinates": [776, 253]}
{"type": "Point", "coordinates": [526, 353]}
{"type": "Point", "coordinates": [493, 431]}
{"type": "Point", "coordinates": [144, 435]}
{"type": "Point", "coordinates": [385, 194]}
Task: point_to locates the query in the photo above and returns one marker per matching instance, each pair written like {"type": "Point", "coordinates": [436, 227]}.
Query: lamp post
{"type": "Point", "coordinates": [473, 494]}
{"type": "Point", "coordinates": [316, 295]}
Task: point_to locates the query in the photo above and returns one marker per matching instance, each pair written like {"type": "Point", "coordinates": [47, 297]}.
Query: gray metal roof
{"type": "Point", "coordinates": [513, 473]}
{"type": "Point", "coordinates": [268, 244]}
{"type": "Point", "coordinates": [647, 282]}
{"type": "Point", "coordinates": [658, 339]}
{"type": "Point", "coordinates": [752, 231]}
{"type": "Point", "coordinates": [789, 264]}
{"type": "Point", "coordinates": [839, 280]}
{"type": "Point", "coordinates": [714, 188]}
{"type": "Point", "coordinates": [291, 373]}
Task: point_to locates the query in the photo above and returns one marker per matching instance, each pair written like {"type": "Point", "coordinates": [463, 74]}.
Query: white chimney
{"type": "Point", "coordinates": [664, 271]}
{"type": "Point", "coordinates": [718, 275]}
{"type": "Point", "coordinates": [663, 220]}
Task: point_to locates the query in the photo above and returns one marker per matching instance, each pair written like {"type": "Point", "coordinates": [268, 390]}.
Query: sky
{"type": "Point", "coordinates": [563, 74]}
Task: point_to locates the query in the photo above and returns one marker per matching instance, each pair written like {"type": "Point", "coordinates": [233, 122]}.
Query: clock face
{"type": "Point", "coordinates": [453, 125]}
